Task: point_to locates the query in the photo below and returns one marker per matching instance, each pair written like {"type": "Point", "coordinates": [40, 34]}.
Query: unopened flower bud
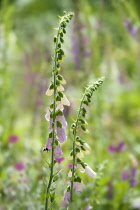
{"type": "Point", "coordinates": [55, 38]}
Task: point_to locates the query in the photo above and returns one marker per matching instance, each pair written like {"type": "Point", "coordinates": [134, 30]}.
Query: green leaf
{"type": "Point", "coordinates": [59, 123]}
{"type": "Point", "coordinates": [60, 94]}
{"type": "Point", "coordinates": [83, 127]}
{"type": "Point", "coordinates": [59, 113]}
{"type": "Point", "coordinates": [58, 98]}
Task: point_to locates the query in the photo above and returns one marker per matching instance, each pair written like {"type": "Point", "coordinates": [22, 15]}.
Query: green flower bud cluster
{"type": "Point", "coordinates": [86, 99]}
{"type": "Point", "coordinates": [59, 53]}
{"type": "Point", "coordinates": [90, 89]}
{"type": "Point", "coordinates": [58, 57]}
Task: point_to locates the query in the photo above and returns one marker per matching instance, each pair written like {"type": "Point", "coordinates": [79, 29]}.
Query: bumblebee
{"type": "Point", "coordinates": [45, 149]}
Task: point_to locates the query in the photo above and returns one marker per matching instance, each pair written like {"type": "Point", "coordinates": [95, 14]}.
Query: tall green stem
{"type": "Point", "coordinates": [53, 131]}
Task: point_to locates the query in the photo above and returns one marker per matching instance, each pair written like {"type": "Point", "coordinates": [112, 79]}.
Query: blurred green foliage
{"type": "Point", "coordinates": [103, 40]}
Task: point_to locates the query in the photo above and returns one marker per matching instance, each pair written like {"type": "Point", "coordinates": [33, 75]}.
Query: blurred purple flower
{"type": "Point", "coordinates": [58, 151]}
{"type": "Point", "coordinates": [70, 165]}
{"type": "Point", "coordinates": [133, 172]}
{"type": "Point", "coordinates": [111, 148]}
{"type": "Point", "coordinates": [13, 138]}
{"type": "Point", "coordinates": [132, 29]}
{"type": "Point", "coordinates": [133, 181]}
{"type": "Point", "coordinates": [59, 159]}
{"type": "Point", "coordinates": [124, 175]}
{"type": "Point", "coordinates": [131, 175]}
{"type": "Point", "coordinates": [19, 166]}
{"type": "Point", "coordinates": [120, 146]}
{"type": "Point", "coordinates": [117, 148]}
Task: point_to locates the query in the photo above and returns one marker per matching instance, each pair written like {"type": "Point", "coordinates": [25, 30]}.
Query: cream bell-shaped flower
{"type": "Point", "coordinates": [60, 105]}
{"type": "Point", "coordinates": [65, 101]}
{"type": "Point", "coordinates": [80, 155]}
{"type": "Point", "coordinates": [86, 146]}
{"type": "Point", "coordinates": [49, 92]}
{"type": "Point", "coordinates": [90, 172]}
{"type": "Point", "coordinates": [80, 167]}
{"type": "Point", "coordinates": [70, 174]}
{"type": "Point", "coordinates": [87, 152]}
{"type": "Point", "coordinates": [77, 143]}
{"type": "Point", "coordinates": [60, 88]}
{"type": "Point", "coordinates": [70, 157]}
{"type": "Point", "coordinates": [63, 81]}
{"type": "Point", "coordinates": [86, 131]}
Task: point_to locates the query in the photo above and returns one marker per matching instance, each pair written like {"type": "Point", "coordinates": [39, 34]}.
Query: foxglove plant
{"type": "Point", "coordinates": [54, 115]}
{"type": "Point", "coordinates": [80, 146]}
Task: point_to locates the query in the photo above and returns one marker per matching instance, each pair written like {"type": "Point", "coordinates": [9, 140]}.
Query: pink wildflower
{"type": "Point", "coordinates": [13, 138]}
{"type": "Point", "coordinates": [59, 159]}
{"type": "Point", "coordinates": [19, 166]}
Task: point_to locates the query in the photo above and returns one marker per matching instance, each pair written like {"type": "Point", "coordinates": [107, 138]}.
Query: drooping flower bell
{"type": "Point", "coordinates": [87, 169]}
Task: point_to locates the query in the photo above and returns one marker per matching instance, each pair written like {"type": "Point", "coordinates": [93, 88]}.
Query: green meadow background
{"type": "Point", "coordinates": [103, 39]}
